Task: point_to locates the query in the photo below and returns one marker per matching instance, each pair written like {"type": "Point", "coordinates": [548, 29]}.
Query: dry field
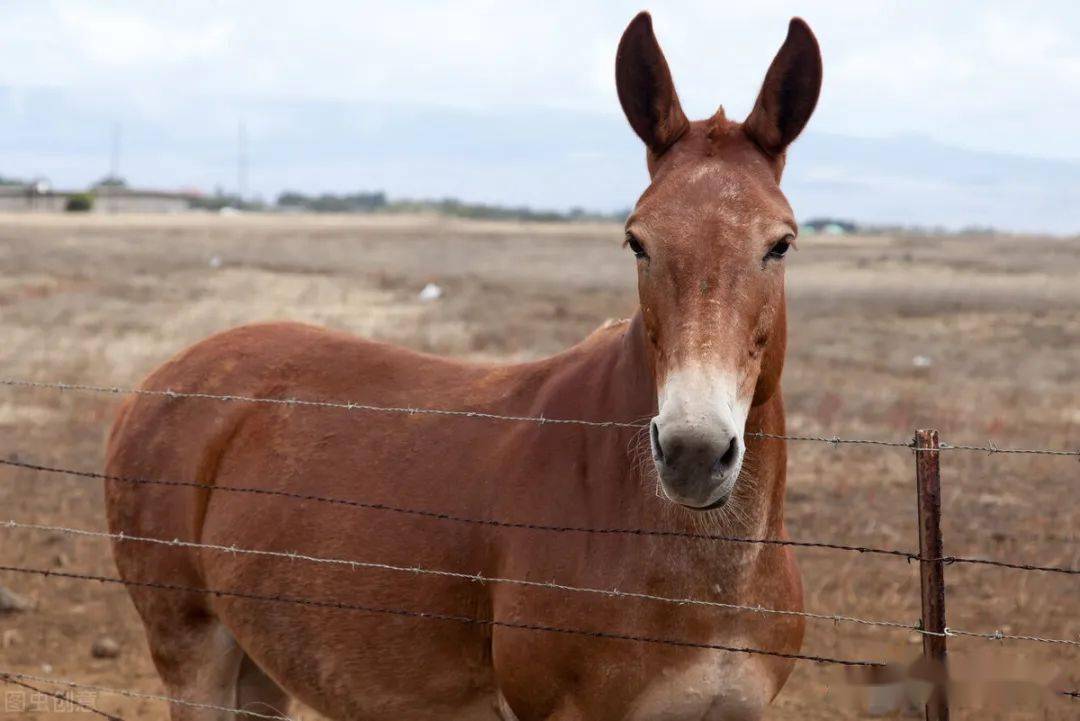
{"type": "Point", "coordinates": [976, 336]}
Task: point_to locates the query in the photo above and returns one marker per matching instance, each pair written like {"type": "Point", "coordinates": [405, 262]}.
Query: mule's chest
{"type": "Point", "coordinates": [631, 680]}
{"type": "Point", "coordinates": [716, 688]}
{"type": "Point", "coordinates": [720, 686]}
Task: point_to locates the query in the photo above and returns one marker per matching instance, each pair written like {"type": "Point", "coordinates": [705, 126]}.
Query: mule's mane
{"type": "Point", "coordinates": [718, 126]}
{"type": "Point", "coordinates": [719, 130]}
{"type": "Point", "coordinates": [613, 323]}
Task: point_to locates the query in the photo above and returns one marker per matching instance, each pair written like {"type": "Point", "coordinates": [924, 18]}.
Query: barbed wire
{"type": "Point", "coordinates": [340, 405]}
{"type": "Point", "coordinates": [435, 515]}
{"type": "Point", "coordinates": [996, 635]}
{"type": "Point", "coordinates": [11, 678]}
{"type": "Point", "coordinates": [1008, 564]}
{"type": "Point", "coordinates": [990, 447]}
{"type": "Point", "coordinates": [837, 440]}
{"type": "Point", "coordinates": [475, 577]}
{"type": "Point", "coordinates": [435, 615]}
{"type": "Point", "coordinates": [993, 448]}
{"type": "Point", "coordinates": [1002, 636]}
{"type": "Point", "coordinates": [129, 693]}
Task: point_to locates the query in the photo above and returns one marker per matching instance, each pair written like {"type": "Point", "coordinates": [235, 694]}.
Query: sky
{"type": "Point", "coordinates": [514, 102]}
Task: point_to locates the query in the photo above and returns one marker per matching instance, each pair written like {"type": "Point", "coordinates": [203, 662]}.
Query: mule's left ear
{"type": "Point", "coordinates": [789, 93]}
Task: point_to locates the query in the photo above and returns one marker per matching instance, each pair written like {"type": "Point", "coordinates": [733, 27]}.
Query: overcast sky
{"type": "Point", "coordinates": [988, 76]}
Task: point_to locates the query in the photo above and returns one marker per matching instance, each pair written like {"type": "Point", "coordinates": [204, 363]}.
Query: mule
{"type": "Point", "coordinates": [699, 363]}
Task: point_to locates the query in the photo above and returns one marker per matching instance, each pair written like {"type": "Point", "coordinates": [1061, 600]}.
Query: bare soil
{"type": "Point", "coordinates": [977, 336]}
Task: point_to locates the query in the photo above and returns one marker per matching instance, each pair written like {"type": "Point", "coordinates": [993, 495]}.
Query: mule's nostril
{"type": "Point", "coordinates": [731, 455]}
{"type": "Point", "coordinates": [654, 433]}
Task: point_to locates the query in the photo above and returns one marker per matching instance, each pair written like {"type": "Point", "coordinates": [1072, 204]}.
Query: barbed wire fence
{"type": "Point", "coordinates": [990, 447]}
{"type": "Point", "coordinates": [930, 557]}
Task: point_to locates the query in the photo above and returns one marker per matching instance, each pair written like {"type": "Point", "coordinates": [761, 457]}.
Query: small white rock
{"type": "Point", "coordinates": [11, 637]}
{"type": "Point", "coordinates": [431, 291]}
{"type": "Point", "coordinates": [105, 647]}
{"type": "Point", "coordinates": [11, 602]}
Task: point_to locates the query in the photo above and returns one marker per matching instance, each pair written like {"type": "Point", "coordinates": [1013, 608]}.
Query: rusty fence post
{"type": "Point", "coordinates": [932, 570]}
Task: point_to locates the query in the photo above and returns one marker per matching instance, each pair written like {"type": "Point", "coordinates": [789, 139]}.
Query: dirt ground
{"type": "Point", "coordinates": [976, 336]}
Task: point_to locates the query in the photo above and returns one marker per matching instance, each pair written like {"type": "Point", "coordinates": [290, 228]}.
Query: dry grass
{"type": "Point", "coordinates": [104, 299]}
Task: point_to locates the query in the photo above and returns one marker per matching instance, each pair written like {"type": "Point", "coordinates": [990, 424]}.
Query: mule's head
{"type": "Point", "coordinates": [709, 236]}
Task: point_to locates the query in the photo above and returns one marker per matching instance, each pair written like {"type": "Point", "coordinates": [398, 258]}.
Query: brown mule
{"type": "Point", "coordinates": [702, 358]}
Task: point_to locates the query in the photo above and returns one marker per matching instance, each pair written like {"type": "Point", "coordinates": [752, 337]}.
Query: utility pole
{"type": "Point", "coordinates": [241, 161]}
{"type": "Point", "coordinates": [114, 159]}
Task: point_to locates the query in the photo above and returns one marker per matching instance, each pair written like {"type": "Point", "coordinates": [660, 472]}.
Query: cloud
{"type": "Point", "coordinates": [998, 77]}
{"type": "Point", "coordinates": [111, 41]}
{"type": "Point", "coordinates": [969, 73]}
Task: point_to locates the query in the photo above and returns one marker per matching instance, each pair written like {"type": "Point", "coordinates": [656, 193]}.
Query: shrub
{"type": "Point", "coordinates": [79, 203]}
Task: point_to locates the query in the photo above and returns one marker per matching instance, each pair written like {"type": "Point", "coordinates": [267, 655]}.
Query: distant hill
{"type": "Point", "coordinates": [516, 157]}
{"type": "Point", "coordinates": [914, 180]}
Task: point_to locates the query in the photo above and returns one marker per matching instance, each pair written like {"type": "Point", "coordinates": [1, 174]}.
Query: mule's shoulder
{"type": "Point", "coordinates": [612, 324]}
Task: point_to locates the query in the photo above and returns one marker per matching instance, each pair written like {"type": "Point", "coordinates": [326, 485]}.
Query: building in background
{"type": "Point", "coordinates": [111, 195]}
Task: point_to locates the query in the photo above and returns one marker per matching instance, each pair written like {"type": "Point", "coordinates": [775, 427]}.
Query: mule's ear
{"type": "Point", "coordinates": [646, 91]}
{"type": "Point", "coordinates": [789, 93]}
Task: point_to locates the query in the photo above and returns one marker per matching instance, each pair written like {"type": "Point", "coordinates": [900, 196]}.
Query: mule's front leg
{"type": "Point", "coordinates": [199, 662]}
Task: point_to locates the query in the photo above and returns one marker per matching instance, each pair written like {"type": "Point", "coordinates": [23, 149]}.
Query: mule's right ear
{"type": "Point", "coordinates": [646, 91]}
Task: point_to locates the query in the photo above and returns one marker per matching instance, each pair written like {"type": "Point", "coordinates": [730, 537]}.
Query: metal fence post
{"type": "Point", "coordinates": [932, 569]}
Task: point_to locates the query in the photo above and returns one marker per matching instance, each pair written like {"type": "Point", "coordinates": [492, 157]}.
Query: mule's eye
{"type": "Point", "coordinates": [635, 246]}
{"type": "Point", "coordinates": [780, 248]}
